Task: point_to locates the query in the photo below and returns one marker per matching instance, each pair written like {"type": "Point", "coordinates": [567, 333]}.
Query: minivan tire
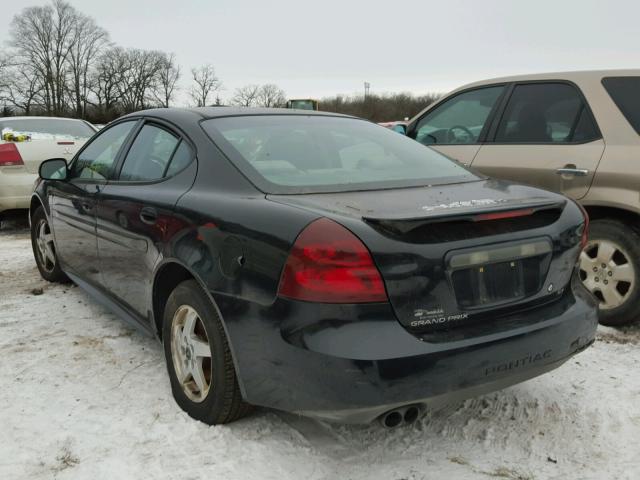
{"type": "Point", "coordinates": [626, 241]}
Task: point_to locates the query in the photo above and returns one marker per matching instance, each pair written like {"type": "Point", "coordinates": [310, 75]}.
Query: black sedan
{"type": "Point", "coordinates": [314, 263]}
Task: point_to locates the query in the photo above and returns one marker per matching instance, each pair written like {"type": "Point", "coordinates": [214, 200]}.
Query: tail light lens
{"type": "Point", "coordinates": [329, 264]}
{"type": "Point", "coordinates": [503, 215]}
{"type": "Point", "coordinates": [9, 155]}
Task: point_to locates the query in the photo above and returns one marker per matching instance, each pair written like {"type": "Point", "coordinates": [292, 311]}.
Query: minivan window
{"type": "Point", "coordinates": [314, 153]}
{"type": "Point", "coordinates": [625, 93]}
{"type": "Point", "coordinates": [459, 120]}
{"type": "Point", "coordinates": [546, 113]}
{"type": "Point", "coordinates": [149, 155]}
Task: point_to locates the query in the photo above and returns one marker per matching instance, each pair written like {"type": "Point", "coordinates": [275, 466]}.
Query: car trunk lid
{"type": "Point", "coordinates": [34, 152]}
{"type": "Point", "coordinates": [450, 254]}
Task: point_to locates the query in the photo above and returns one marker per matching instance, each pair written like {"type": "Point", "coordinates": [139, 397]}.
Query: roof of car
{"type": "Point", "coordinates": [575, 76]}
{"type": "Point", "coordinates": [35, 117]}
{"type": "Point", "coordinates": [216, 112]}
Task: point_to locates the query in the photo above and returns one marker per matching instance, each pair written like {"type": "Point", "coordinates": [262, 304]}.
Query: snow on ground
{"type": "Point", "coordinates": [82, 396]}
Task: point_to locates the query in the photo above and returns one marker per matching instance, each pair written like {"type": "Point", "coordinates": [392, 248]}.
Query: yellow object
{"type": "Point", "coordinates": [15, 137]}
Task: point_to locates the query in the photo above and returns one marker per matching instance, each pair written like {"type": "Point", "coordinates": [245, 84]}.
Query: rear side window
{"type": "Point", "coordinates": [181, 158]}
{"type": "Point", "coordinates": [149, 155]}
{"type": "Point", "coordinates": [625, 93]}
{"type": "Point", "coordinates": [546, 113]}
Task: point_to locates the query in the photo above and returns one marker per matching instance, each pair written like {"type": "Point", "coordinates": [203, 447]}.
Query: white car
{"type": "Point", "coordinates": [25, 142]}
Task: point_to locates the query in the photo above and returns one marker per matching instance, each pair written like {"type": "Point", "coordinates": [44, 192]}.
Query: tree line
{"type": "Point", "coordinates": [379, 108]}
{"type": "Point", "coordinates": [60, 62]}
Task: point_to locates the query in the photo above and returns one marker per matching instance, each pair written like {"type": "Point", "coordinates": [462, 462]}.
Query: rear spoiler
{"type": "Point", "coordinates": [467, 210]}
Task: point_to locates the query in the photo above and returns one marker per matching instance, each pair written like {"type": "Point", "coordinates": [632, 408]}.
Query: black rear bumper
{"type": "Point", "coordinates": [352, 363]}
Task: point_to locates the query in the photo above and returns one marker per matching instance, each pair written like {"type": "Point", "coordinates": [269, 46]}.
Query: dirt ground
{"type": "Point", "coordinates": [83, 396]}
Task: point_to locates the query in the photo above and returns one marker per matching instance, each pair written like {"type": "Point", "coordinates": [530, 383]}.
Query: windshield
{"type": "Point", "coordinates": [47, 128]}
{"type": "Point", "coordinates": [308, 154]}
{"type": "Point", "coordinates": [301, 104]}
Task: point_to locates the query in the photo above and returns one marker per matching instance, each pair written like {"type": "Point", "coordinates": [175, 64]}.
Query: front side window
{"type": "Point", "coordinates": [546, 113]}
{"type": "Point", "coordinates": [149, 155]}
{"type": "Point", "coordinates": [96, 161]}
{"type": "Point", "coordinates": [625, 93]}
{"type": "Point", "coordinates": [297, 153]}
{"type": "Point", "coordinates": [459, 120]}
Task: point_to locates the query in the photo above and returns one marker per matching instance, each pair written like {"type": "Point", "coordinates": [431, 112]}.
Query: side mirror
{"type": "Point", "coordinates": [402, 129]}
{"type": "Point", "coordinates": [53, 169]}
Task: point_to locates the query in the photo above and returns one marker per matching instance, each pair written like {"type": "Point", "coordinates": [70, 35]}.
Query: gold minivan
{"type": "Point", "coordinates": [577, 133]}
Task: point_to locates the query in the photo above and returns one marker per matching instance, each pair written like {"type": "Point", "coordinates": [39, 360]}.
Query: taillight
{"type": "Point", "coordinates": [329, 264]}
{"type": "Point", "coordinates": [9, 155]}
{"type": "Point", "coordinates": [585, 229]}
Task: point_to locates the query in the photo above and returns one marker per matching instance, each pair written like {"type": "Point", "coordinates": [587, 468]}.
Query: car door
{"type": "Point", "coordinates": [546, 136]}
{"type": "Point", "coordinates": [73, 202]}
{"type": "Point", "coordinates": [457, 125]}
{"type": "Point", "coordinates": [135, 211]}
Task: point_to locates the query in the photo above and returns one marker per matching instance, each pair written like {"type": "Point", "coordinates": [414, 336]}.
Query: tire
{"type": "Point", "coordinates": [220, 400]}
{"type": "Point", "coordinates": [44, 249]}
{"type": "Point", "coordinates": [610, 269]}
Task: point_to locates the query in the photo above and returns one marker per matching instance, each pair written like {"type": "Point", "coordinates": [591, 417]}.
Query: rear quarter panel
{"type": "Point", "coordinates": [617, 179]}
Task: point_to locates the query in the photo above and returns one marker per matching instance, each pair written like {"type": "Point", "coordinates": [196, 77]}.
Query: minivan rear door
{"type": "Point", "coordinates": [546, 136]}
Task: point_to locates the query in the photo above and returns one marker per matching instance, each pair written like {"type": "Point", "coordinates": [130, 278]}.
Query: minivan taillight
{"type": "Point", "coordinates": [9, 155]}
{"type": "Point", "coordinates": [329, 264]}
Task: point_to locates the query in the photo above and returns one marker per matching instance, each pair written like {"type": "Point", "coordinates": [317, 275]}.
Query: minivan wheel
{"type": "Point", "coordinates": [610, 269]}
{"type": "Point", "coordinates": [44, 248]}
{"type": "Point", "coordinates": [199, 362]}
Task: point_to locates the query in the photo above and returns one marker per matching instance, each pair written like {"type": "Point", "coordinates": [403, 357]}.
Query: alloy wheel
{"type": "Point", "coordinates": [191, 353]}
{"type": "Point", "coordinates": [46, 247]}
{"type": "Point", "coordinates": [607, 272]}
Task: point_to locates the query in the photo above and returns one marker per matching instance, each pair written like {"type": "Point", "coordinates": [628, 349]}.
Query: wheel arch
{"type": "Point", "coordinates": [168, 275]}
{"type": "Point", "coordinates": [34, 204]}
{"type": "Point", "coordinates": [626, 216]}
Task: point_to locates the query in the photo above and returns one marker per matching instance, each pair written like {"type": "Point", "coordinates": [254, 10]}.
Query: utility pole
{"type": "Point", "coordinates": [367, 86]}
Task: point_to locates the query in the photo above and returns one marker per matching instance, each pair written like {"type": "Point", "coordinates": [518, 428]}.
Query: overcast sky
{"type": "Point", "coordinates": [325, 47]}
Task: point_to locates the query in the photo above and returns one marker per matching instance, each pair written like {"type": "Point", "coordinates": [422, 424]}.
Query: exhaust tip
{"type": "Point", "coordinates": [392, 419]}
{"type": "Point", "coordinates": [411, 415]}
{"type": "Point", "coordinates": [402, 415]}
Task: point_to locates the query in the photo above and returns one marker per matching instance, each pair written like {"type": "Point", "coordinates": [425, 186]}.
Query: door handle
{"type": "Point", "coordinates": [578, 172]}
{"type": "Point", "coordinates": [149, 215]}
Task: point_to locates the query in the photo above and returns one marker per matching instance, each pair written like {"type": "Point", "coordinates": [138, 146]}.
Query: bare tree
{"type": "Point", "coordinates": [246, 96]}
{"type": "Point", "coordinates": [206, 84]}
{"type": "Point", "coordinates": [42, 38]}
{"type": "Point", "coordinates": [167, 78]}
{"type": "Point", "coordinates": [89, 39]}
{"type": "Point", "coordinates": [271, 95]}
{"type": "Point", "coordinates": [23, 89]}
{"type": "Point", "coordinates": [106, 78]}
{"type": "Point", "coordinates": [138, 79]}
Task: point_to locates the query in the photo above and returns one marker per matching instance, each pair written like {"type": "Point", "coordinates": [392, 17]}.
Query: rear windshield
{"type": "Point", "coordinates": [308, 154]}
{"type": "Point", "coordinates": [625, 92]}
{"type": "Point", "coordinates": [44, 128]}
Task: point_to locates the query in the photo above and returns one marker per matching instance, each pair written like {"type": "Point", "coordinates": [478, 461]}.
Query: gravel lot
{"type": "Point", "coordinates": [83, 396]}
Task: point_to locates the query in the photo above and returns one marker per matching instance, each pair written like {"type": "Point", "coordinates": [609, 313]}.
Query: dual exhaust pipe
{"type": "Point", "coordinates": [400, 416]}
